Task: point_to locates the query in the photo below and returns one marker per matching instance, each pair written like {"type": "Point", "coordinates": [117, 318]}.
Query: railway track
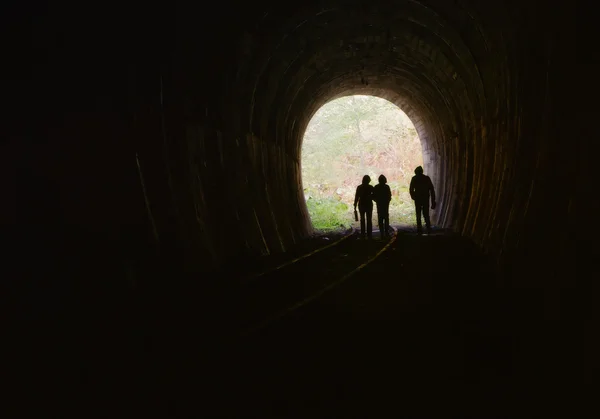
{"type": "Point", "coordinates": [268, 297]}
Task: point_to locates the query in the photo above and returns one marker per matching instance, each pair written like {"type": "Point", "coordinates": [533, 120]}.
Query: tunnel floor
{"type": "Point", "coordinates": [422, 331]}
{"type": "Point", "coordinates": [418, 332]}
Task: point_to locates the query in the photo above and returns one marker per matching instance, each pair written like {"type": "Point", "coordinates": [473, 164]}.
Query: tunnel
{"type": "Point", "coordinates": [163, 151]}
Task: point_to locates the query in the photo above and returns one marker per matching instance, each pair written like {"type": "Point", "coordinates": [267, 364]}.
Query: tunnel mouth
{"type": "Point", "coordinates": [349, 136]}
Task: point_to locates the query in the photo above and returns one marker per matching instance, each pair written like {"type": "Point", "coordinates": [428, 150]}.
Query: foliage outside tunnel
{"type": "Point", "coordinates": [348, 138]}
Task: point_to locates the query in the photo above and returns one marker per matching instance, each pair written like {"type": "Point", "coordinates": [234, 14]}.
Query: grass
{"type": "Point", "coordinates": [329, 214]}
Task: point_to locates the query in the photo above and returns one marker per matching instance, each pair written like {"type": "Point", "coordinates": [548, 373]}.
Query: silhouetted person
{"type": "Point", "coordinates": [364, 198]}
{"type": "Point", "coordinates": [420, 189]}
{"type": "Point", "coordinates": [383, 196]}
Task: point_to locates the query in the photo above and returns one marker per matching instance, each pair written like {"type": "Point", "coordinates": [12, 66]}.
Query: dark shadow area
{"type": "Point", "coordinates": [405, 337]}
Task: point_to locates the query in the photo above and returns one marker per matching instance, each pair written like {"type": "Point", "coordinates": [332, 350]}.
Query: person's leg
{"type": "Point", "coordinates": [362, 221]}
{"type": "Point", "coordinates": [380, 215]}
{"type": "Point", "coordinates": [386, 220]}
{"type": "Point", "coordinates": [426, 215]}
{"type": "Point", "coordinates": [369, 221]}
{"type": "Point", "coordinates": [418, 211]}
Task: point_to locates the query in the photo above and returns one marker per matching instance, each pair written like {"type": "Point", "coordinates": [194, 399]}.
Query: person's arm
{"type": "Point", "coordinates": [411, 188]}
{"type": "Point", "coordinates": [432, 191]}
{"type": "Point", "coordinates": [356, 196]}
{"type": "Point", "coordinates": [389, 193]}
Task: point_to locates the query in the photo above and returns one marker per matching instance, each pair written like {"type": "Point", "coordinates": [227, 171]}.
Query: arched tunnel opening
{"type": "Point", "coordinates": [163, 157]}
{"type": "Point", "coordinates": [353, 136]}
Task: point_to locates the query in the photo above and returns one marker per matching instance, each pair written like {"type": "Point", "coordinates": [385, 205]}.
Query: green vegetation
{"type": "Point", "coordinates": [348, 138]}
{"type": "Point", "coordinates": [328, 214]}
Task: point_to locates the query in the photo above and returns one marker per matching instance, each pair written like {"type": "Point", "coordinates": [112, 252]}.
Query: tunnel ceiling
{"type": "Point", "coordinates": [405, 48]}
{"type": "Point", "coordinates": [412, 51]}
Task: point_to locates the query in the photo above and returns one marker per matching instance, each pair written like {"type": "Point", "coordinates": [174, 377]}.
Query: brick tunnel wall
{"type": "Point", "coordinates": [175, 135]}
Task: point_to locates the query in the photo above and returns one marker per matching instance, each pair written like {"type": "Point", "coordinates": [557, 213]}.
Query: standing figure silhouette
{"type": "Point", "coordinates": [420, 189]}
{"type": "Point", "coordinates": [383, 196]}
{"type": "Point", "coordinates": [364, 198]}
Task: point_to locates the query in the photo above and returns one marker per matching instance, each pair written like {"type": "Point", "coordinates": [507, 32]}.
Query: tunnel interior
{"type": "Point", "coordinates": [169, 137]}
{"type": "Point", "coordinates": [479, 82]}
{"type": "Point", "coordinates": [194, 109]}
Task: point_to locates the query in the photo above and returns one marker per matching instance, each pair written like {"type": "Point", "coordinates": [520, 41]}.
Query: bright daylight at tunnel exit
{"type": "Point", "coordinates": [350, 137]}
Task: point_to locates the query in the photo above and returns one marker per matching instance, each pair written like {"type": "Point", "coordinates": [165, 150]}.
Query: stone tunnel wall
{"type": "Point", "coordinates": [179, 135]}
